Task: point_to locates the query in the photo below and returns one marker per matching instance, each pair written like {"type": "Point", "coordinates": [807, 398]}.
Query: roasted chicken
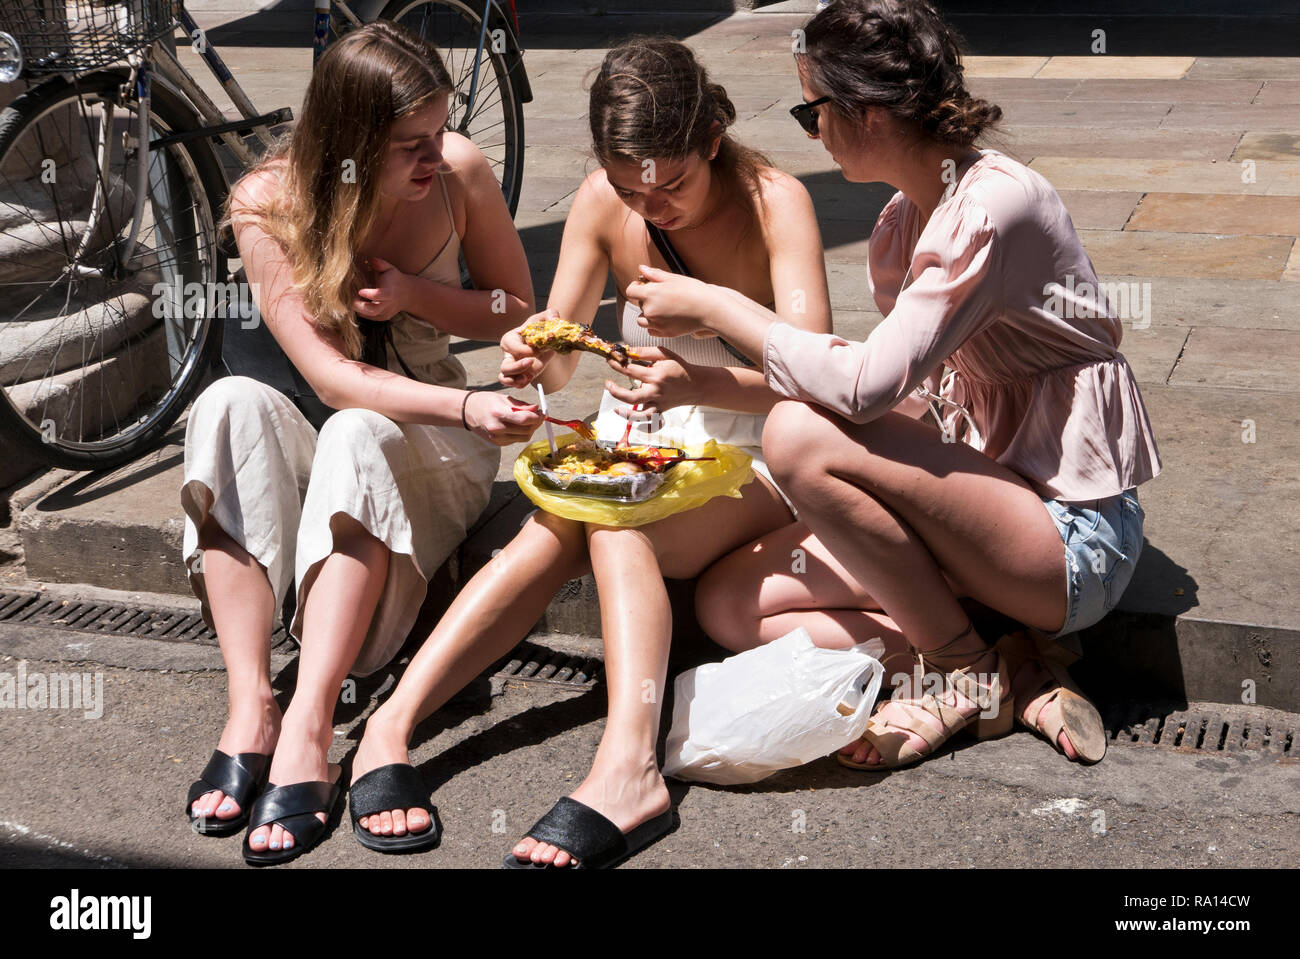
{"type": "Point", "coordinates": [564, 336]}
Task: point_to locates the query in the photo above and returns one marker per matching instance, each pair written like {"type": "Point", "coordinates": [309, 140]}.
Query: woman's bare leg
{"type": "Point", "coordinates": [784, 580]}
{"type": "Point", "coordinates": [624, 783]}
{"type": "Point", "coordinates": [243, 610]}
{"type": "Point", "coordinates": [336, 617]}
{"type": "Point", "coordinates": [494, 611]}
{"type": "Point", "coordinates": [917, 521]}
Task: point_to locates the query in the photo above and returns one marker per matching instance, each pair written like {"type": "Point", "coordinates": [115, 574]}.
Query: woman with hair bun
{"type": "Point", "coordinates": [1024, 500]}
{"type": "Point", "coordinates": [673, 191]}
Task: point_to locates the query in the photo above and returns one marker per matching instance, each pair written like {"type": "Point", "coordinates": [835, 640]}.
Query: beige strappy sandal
{"type": "Point", "coordinates": [1076, 715]}
{"type": "Point", "coordinates": [889, 736]}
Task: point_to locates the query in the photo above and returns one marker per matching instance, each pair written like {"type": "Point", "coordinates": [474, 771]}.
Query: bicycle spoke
{"type": "Point", "coordinates": [87, 352]}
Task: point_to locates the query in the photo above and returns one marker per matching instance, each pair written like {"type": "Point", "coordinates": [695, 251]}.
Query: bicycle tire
{"type": "Point", "coordinates": [450, 25]}
{"type": "Point", "coordinates": [186, 186]}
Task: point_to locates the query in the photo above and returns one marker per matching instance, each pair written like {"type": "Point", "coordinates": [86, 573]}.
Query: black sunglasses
{"type": "Point", "coordinates": [805, 114]}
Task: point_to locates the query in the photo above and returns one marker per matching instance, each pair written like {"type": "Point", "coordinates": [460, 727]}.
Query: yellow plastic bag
{"type": "Point", "coordinates": [688, 485]}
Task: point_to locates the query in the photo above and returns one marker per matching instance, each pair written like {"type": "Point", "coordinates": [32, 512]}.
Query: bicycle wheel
{"type": "Point", "coordinates": [99, 353]}
{"type": "Point", "coordinates": [495, 121]}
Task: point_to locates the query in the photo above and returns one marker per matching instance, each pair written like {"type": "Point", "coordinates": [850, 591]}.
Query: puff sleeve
{"type": "Point", "coordinates": [956, 292]}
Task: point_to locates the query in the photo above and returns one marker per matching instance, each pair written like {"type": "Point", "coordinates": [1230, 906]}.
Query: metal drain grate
{"type": "Point", "coordinates": [538, 664]}
{"type": "Point", "coordinates": [1206, 730]}
{"type": "Point", "coordinates": [116, 619]}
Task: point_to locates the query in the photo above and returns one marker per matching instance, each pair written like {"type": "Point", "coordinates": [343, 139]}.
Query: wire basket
{"type": "Point", "coordinates": [69, 36]}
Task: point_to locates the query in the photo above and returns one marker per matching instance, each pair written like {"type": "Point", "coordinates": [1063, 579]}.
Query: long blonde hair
{"type": "Point", "coordinates": [336, 152]}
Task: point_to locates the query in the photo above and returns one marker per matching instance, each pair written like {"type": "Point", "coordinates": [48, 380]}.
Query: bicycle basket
{"type": "Point", "coordinates": [69, 36]}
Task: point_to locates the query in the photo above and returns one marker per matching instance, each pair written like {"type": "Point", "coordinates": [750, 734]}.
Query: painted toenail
{"type": "Point", "coordinates": [225, 807]}
{"type": "Point", "coordinates": [275, 845]}
{"type": "Point", "coordinates": [258, 840]}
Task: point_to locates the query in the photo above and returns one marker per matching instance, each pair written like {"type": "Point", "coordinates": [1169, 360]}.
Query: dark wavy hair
{"type": "Point", "coordinates": [896, 54]}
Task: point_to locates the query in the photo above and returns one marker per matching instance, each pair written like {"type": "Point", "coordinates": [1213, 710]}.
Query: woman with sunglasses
{"type": "Point", "coordinates": [1024, 500]}
{"type": "Point", "coordinates": [675, 189]}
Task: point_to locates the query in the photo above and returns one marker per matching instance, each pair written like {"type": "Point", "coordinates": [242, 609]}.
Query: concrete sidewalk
{"type": "Point", "coordinates": [1182, 174]}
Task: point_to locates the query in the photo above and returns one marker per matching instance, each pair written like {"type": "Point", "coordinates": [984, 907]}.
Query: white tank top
{"type": "Point", "coordinates": [682, 425]}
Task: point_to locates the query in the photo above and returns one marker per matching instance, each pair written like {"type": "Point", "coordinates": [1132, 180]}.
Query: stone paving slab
{"type": "Point", "coordinates": [1112, 67]}
{"type": "Point", "coordinates": [1292, 271]}
{"type": "Point", "coordinates": [1263, 68]}
{"type": "Point", "coordinates": [1095, 210]}
{"type": "Point", "coordinates": [1153, 352]}
{"type": "Point", "coordinates": [1268, 146]}
{"type": "Point", "coordinates": [1186, 254]}
{"type": "Point", "coordinates": [1274, 178]}
{"type": "Point", "coordinates": [801, 159]}
{"type": "Point", "coordinates": [986, 66]}
{"type": "Point", "coordinates": [1169, 91]}
{"type": "Point", "coordinates": [997, 89]}
{"type": "Point", "coordinates": [1217, 302]}
{"type": "Point", "coordinates": [1198, 116]}
{"type": "Point", "coordinates": [1083, 114]}
{"type": "Point", "coordinates": [1216, 213]}
{"type": "Point", "coordinates": [1266, 360]}
{"type": "Point", "coordinates": [1221, 511]}
{"type": "Point", "coordinates": [574, 161]}
{"type": "Point", "coordinates": [1030, 142]}
{"type": "Point", "coordinates": [543, 193]}
{"type": "Point", "coordinates": [1278, 91]}
{"type": "Point", "coordinates": [558, 132]}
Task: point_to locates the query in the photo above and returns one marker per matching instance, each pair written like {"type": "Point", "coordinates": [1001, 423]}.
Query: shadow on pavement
{"type": "Point", "coordinates": [1201, 28]}
{"type": "Point", "coordinates": [1004, 28]}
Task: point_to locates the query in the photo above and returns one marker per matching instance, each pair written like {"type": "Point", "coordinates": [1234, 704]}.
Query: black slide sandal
{"type": "Point", "coordinates": [396, 786]}
{"type": "Point", "coordinates": [240, 777]}
{"type": "Point", "coordinates": [590, 838]}
{"type": "Point", "coordinates": [294, 809]}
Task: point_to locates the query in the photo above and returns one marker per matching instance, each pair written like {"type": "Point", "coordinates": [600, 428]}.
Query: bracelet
{"type": "Point", "coordinates": [463, 406]}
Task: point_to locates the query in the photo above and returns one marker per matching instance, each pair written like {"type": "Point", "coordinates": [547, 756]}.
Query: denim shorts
{"type": "Point", "coordinates": [1103, 540]}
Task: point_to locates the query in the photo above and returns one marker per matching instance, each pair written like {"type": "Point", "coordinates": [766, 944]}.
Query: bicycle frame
{"type": "Point", "coordinates": [491, 13]}
{"type": "Point", "coordinates": [159, 60]}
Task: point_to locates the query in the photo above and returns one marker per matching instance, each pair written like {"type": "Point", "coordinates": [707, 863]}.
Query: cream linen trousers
{"type": "Point", "coordinates": [254, 463]}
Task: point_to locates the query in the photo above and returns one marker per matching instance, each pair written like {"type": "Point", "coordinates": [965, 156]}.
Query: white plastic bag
{"type": "Point", "coordinates": [770, 708]}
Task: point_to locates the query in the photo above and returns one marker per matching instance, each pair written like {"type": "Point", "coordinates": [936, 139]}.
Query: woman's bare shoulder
{"type": "Point", "coordinates": [464, 162]}
{"type": "Point", "coordinates": [259, 188]}
{"type": "Point", "coordinates": [781, 194]}
{"type": "Point", "coordinates": [596, 205]}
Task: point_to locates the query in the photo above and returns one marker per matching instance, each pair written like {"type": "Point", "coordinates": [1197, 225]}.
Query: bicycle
{"type": "Point", "coordinates": [113, 271]}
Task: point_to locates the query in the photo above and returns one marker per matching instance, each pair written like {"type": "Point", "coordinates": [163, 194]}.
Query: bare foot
{"type": "Point", "coordinates": [627, 797]}
{"type": "Point", "coordinates": [301, 756]}
{"type": "Point", "coordinates": [252, 728]}
{"type": "Point", "coordinates": [382, 746]}
{"type": "Point", "coordinates": [900, 717]}
{"type": "Point", "coordinates": [1030, 679]}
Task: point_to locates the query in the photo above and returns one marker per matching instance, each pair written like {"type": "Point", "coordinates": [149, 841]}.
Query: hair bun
{"type": "Point", "coordinates": [961, 119]}
{"type": "Point", "coordinates": [726, 109]}
{"type": "Point", "coordinates": [896, 54]}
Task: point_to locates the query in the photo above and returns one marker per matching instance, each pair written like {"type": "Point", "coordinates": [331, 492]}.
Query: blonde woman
{"type": "Point", "coordinates": [361, 218]}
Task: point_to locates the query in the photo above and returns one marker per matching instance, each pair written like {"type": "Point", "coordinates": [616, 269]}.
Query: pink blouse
{"type": "Point", "coordinates": [1002, 292]}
